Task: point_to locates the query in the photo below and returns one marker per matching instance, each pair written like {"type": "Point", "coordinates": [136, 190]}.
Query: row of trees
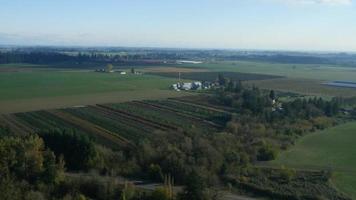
{"type": "Point", "coordinates": [57, 57]}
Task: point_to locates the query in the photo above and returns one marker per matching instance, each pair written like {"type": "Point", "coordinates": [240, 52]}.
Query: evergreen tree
{"type": "Point", "coordinates": [194, 187]}
{"type": "Point", "coordinates": [272, 95]}
{"type": "Point", "coordinates": [221, 79]}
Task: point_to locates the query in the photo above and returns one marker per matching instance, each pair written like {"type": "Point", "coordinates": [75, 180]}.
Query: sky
{"type": "Point", "coordinates": [322, 25]}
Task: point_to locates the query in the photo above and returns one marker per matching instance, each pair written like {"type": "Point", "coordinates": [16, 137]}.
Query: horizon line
{"type": "Point", "coordinates": [179, 48]}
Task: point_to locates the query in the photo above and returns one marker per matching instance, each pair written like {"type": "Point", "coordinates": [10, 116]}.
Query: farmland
{"type": "Point", "coordinates": [152, 130]}
{"type": "Point", "coordinates": [329, 149]}
{"type": "Point", "coordinates": [304, 86]}
{"type": "Point", "coordinates": [51, 84]}
{"type": "Point", "coordinates": [211, 76]}
{"type": "Point", "coordinates": [304, 71]}
{"type": "Point", "coordinates": [120, 124]}
{"type": "Point", "coordinates": [306, 79]}
{"type": "Point", "coordinates": [35, 90]}
{"type": "Point", "coordinates": [201, 129]}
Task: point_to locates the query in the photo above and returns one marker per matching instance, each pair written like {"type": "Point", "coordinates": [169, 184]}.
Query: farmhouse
{"type": "Point", "coordinates": [100, 70]}
{"type": "Point", "coordinates": [187, 86]}
{"type": "Point", "coordinates": [196, 85]}
{"type": "Point", "coordinates": [138, 73]}
{"type": "Point", "coordinates": [104, 70]}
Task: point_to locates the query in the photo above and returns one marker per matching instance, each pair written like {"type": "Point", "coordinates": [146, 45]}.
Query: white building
{"type": "Point", "coordinates": [187, 86]}
{"type": "Point", "coordinates": [196, 85]}
{"type": "Point", "coordinates": [175, 86]}
{"type": "Point", "coordinates": [188, 62]}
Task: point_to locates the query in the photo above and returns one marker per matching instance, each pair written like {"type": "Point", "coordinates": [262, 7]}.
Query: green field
{"type": "Point", "coordinates": [333, 149]}
{"type": "Point", "coordinates": [304, 86]}
{"type": "Point", "coordinates": [31, 90]}
{"type": "Point", "coordinates": [26, 85]}
{"type": "Point", "coordinates": [21, 65]}
{"type": "Point", "coordinates": [300, 78]}
{"type": "Point", "coordinates": [305, 71]}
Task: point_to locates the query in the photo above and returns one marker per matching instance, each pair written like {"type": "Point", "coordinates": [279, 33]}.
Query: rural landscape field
{"type": "Point", "coordinates": [253, 130]}
{"type": "Point", "coordinates": [327, 149]}
{"type": "Point", "coordinates": [178, 100]}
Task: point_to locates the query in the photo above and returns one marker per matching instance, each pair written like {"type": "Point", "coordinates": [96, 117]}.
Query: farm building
{"type": "Point", "coordinates": [100, 70]}
{"type": "Point", "coordinates": [187, 86]}
{"type": "Point", "coordinates": [188, 62]}
{"type": "Point", "coordinates": [196, 85]}
{"type": "Point", "coordinates": [104, 70]}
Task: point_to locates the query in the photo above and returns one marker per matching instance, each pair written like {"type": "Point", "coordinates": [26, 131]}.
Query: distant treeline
{"type": "Point", "coordinates": [296, 59]}
{"type": "Point", "coordinates": [34, 58]}
{"type": "Point", "coordinates": [52, 57]}
{"type": "Point", "coordinates": [74, 59]}
{"type": "Point", "coordinates": [147, 56]}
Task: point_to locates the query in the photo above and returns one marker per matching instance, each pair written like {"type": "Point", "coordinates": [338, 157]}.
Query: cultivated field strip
{"type": "Point", "coordinates": [177, 112]}
{"type": "Point", "coordinates": [194, 110]}
{"type": "Point", "coordinates": [16, 125]}
{"type": "Point", "coordinates": [165, 117]}
{"type": "Point", "coordinates": [122, 125]}
{"type": "Point", "coordinates": [43, 120]}
{"type": "Point", "coordinates": [128, 128]}
{"type": "Point", "coordinates": [139, 118]}
{"type": "Point", "coordinates": [92, 128]}
{"type": "Point", "coordinates": [202, 103]}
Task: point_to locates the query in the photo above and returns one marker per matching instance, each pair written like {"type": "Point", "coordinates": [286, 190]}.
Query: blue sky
{"type": "Point", "coordinates": [328, 25]}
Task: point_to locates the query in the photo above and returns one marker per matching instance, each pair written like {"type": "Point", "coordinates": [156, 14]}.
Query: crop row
{"type": "Point", "coordinates": [42, 120]}
{"type": "Point", "coordinates": [163, 117]}
{"type": "Point", "coordinates": [192, 111]}
{"type": "Point", "coordinates": [126, 123]}
{"type": "Point", "coordinates": [15, 125]}
{"type": "Point", "coordinates": [127, 128]}
{"type": "Point", "coordinates": [204, 102]}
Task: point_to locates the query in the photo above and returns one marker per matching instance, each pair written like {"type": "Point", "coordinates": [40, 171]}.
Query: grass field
{"type": "Point", "coordinates": [304, 86]}
{"type": "Point", "coordinates": [27, 85]}
{"type": "Point", "coordinates": [300, 78]}
{"type": "Point", "coordinates": [21, 65]}
{"type": "Point", "coordinates": [31, 90]}
{"type": "Point", "coordinates": [305, 71]}
{"type": "Point", "coordinates": [333, 148]}
{"type": "Point", "coordinates": [212, 76]}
